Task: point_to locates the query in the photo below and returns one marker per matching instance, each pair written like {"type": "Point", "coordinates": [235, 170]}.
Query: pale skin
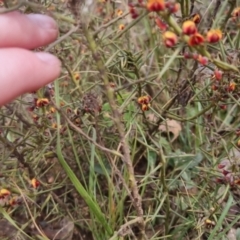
{"type": "Point", "coordinates": [22, 70]}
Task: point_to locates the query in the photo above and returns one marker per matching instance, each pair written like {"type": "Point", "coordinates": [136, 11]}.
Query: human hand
{"type": "Point", "coordinates": [22, 70]}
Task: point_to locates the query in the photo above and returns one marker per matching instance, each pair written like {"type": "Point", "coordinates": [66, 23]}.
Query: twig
{"type": "Point", "coordinates": [124, 227]}
{"type": "Point", "coordinates": [19, 116]}
{"type": "Point", "coordinates": [30, 212]}
{"type": "Point", "coordinates": [62, 38]}
{"type": "Point", "coordinates": [126, 158]}
{"type": "Point", "coordinates": [79, 130]}
{"type": "Point", "coordinates": [19, 156]}
{"type": "Point", "coordinates": [109, 24]}
{"type": "Point", "coordinates": [165, 188]}
{"type": "Point", "coordinates": [134, 22]}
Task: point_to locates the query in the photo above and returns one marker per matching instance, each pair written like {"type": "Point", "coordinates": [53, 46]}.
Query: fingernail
{"type": "Point", "coordinates": [48, 58]}
{"type": "Point", "coordinates": [43, 21]}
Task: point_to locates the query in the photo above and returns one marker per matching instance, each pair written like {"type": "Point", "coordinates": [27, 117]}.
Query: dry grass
{"type": "Point", "coordinates": [107, 169]}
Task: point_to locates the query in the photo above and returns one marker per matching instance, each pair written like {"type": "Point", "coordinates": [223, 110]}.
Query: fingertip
{"type": "Point", "coordinates": [48, 66]}
{"type": "Point", "coordinates": [50, 62]}
{"type": "Point", "coordinates": [49, 59]}
{"type": "Point", "coordinates": [43, 21]}
{"type": "Point", "coordinates": [24, 71]}
{"type": "Point", "coordinates": [27, 31]}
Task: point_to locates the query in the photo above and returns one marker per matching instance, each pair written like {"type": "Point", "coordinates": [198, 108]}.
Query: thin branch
{"type": "Point", "coordinates": [124, 227]}
{"type": "Point", "coordinates": [109, 24]}
{"type": "Point", "coordinates": [80, 131]}
{"type": "Point", "coordinates": [126, 158]}
{"type": "Point", "coordinates": [62, 38]}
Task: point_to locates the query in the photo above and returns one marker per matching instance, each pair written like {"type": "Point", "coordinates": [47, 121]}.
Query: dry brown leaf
{"type": "Point", "coordinates": [171, 126]}
{"type": "Point", "coordinates": [151, 117]}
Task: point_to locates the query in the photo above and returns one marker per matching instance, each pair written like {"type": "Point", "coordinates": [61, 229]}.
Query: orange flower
{"type": "Point", "coordinates": [76, 76]}
{"type": "Point", "coordinates": [144, 100]}
{"type": "Point", "coordinates": [196, 18]}
{"type": "Point", "coordinates": [121, 27]}
{"type": "Point", "coordinates": [52, 110]}
{"type": "Point", "coordinates": [119, 12]}
{"type": "Point", "coordinates": [195, 40]}
{"type": "Point", "coordinates": [155, 5]}
{"type": "Point", "coordinates": [231, 86]}
{"type": "Point", "coordinates": [169, 38]}
{"type": "Point", "coordinates": [54, 125]}
{"type": "Point", "coordinates": [41, 102]}
{"type": "Point", "coordinates": [236, 12]}
{"type": "Point", "coordinates": [145, 107]}
{"type": "Point", "coordinates": [210, 223]}
{"type": "Point", "coordinates": [189, 27]}
{"type": "Point", "coordinates": [35, 183]}
{"type": "Point", "coordinates": [4, 193]}
{"type": "Point", "coordinates": [214, 36]}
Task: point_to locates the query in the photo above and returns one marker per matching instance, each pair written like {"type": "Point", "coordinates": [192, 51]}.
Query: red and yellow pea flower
{"type": "Point", "coordinates": [170, 39]}
{"type": "Point", "coordinates": [155, 5]}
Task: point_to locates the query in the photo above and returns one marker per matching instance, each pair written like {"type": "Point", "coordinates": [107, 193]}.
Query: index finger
{"type": "Point", "coordinates": [26, 31]}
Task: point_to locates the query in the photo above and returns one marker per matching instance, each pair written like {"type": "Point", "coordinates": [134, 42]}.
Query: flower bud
{"type": "Point", "coordinates": [189, 27]}
{"type": "Point", "coordinates": [35, 183]}
{"type": "Point", "coordinates": [119, 12]}
{"type": "Point", "coordinates": [145, 107]}
{"type": "Point", "coordinates": [218, 74]}
{"type": "Point", "coordinates": [172, 7]}
{"type": "Point", "coordinates": [144, 99]}
{"type": "Point", "coordinates": [214, 36]}
{"type": "Point", "coordinates": [188, 55]}
{"type": "Point", "coordinates": [195, 40]}
{"type": "Point", "coordinates": [203, 60]}
{"type": "Point", "coordinates": [133, 12]}
{"type": "Point", "coordinates": [155, 5]}
{"type": "Point", "coordinates": [214, 87]}
{"type": "Point", "coordinates": [162, 25]}
{"type": "Point", "coordinates": [121, 27]}
{"type": "Point", "coordinates": [231, 86]}
{"type": "Point", "coordinates": [41, 102]}
{"type": "Point", "coordinates": [196, 18]}
{"type": "Point", "coordinates": [170, 39]}
{"type": "Point", "coordinates": [4, 193]}
{"type": "Point", "coordinates": [236, 12]}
